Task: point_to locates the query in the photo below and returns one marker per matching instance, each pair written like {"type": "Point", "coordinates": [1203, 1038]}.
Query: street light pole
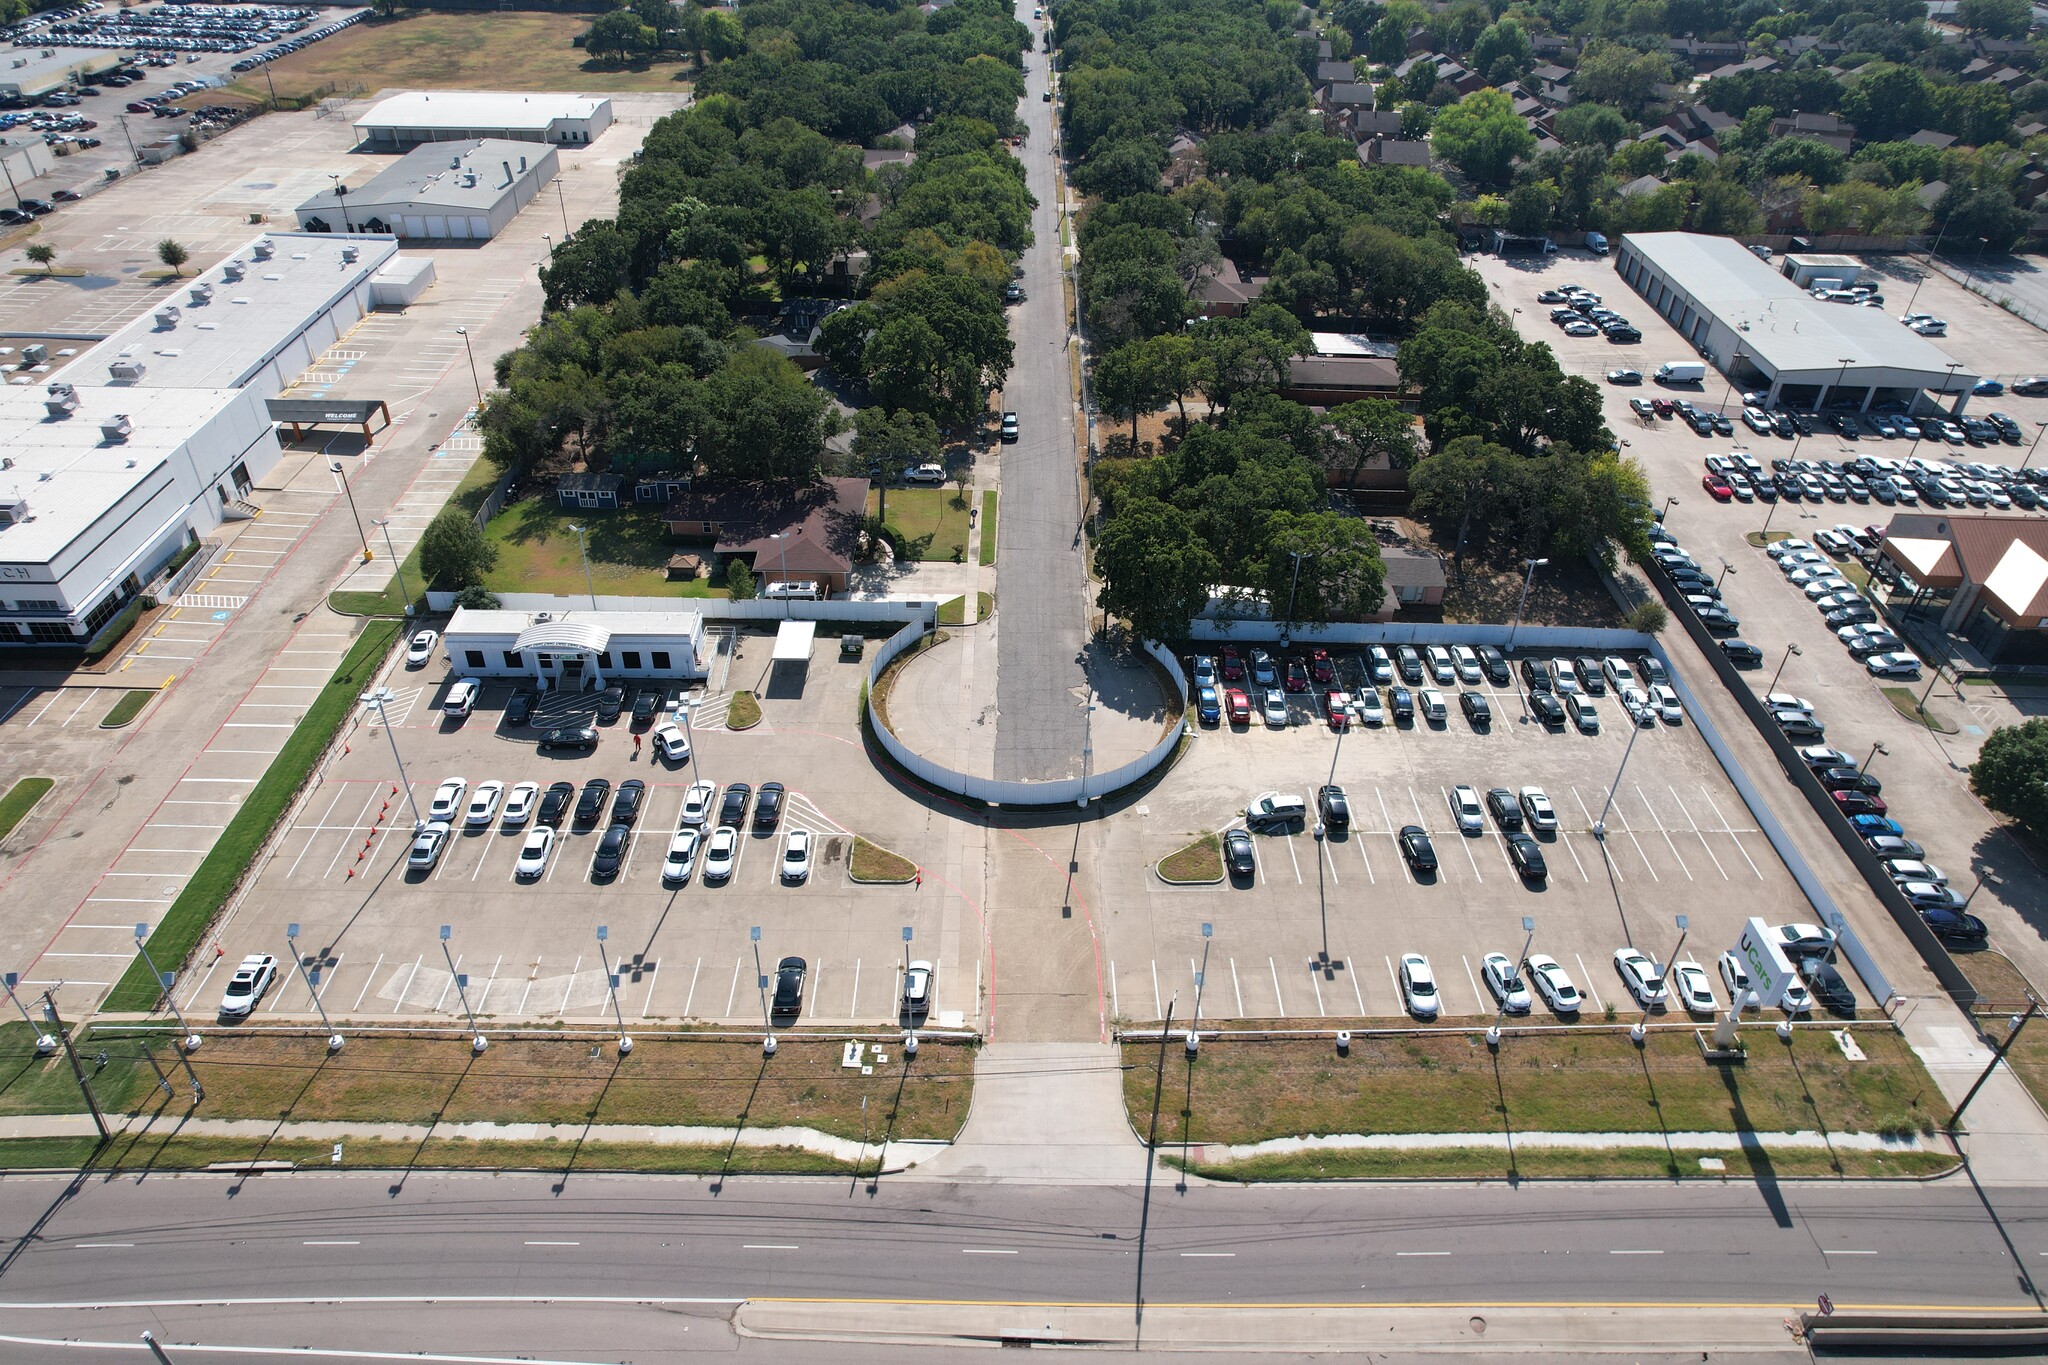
{"type": "Point", "coordinates": [761, 984]}
{"type": "Point", "coordinates": [1638, 1031]}
{"type": "Point", "coordinates": [1294, 582]}
{"type": "Point", "coordinates": [92, 1102]}
{"type": "Point", "coordinates": [1521, 964]}
{"type": "Point", "coordinates": [2011, 1037]}
{"type": "Point", "coordinates": [463, 332]}
{"type": "Point", "coordinates": [312, 978]}
{"type": "Point", "coordinates": [477, 1042]}
{"type": "Point", "coordinates": [341, 198]}
{"type": "Point", "coordinates": [1669, 503]}
{"type": "Point", "coordinates": [1600, 825]}
{"type": "Point", "coordinates": [1790, 650]}
{"type": "Point", "coordinates": [1530, 566]}
{"type": "Point", "coordinates": [583, 543]}
{"type": "Point", "coordinates": [334, 466]}
{"type": "Point", "coordinates": [192, 1040]}
{"type": "Point", "coordinates": [1194, 1039]}
{"type": "Point", "coordinates": [378, 697]}
{"type": "Point", "coordinates": [611, 979]}
{"type": "Point", "coordinates": [1875, 750]}
{"type": "Point", "coordinates": [397, 565]}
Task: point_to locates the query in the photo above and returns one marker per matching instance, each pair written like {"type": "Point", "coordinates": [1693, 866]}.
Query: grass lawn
{"type": "Point", "coordinates": [184, 921]}
{"type": "Point", "coordinates": [1906, 701]}
{"type": "Point", "coordinates": [21, 798]}
{"type": "Point", "coordinates": [162, 1150]}
{"type": "Point", "coordinates": [742, 712]}
{"type": "Point", "coordinates": [873, 863]}
{"type": "Point", "coordinates": [988, 527]}
{"type": "Point", "coordinates": [1248, 1091]}
{"type": "Point", "coordinates": [127, 709]}
{"type": "Point", "coordinates": [932, 521]}
{"type": "Point", "coordinates": [1201, 861]}
{"type": "Point", "coordinates": [1481, 1163]}
{"type": "Point", "coordinates": [414, 1080]}
{"type": "Point", "coordinates": [499, 51]}
{"type": "Point", "coordinates": [629, 550]}
{"type": "Point", "coordinates": [953, 611]}
{"type": "Point", "coordinates": [476, 485]}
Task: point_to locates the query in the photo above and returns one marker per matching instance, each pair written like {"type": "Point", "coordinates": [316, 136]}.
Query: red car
{"type": "Point", "coordinates": [1233, 664]}
{"type": "Point", "coordinates": [1297, 676]}
{"type": "Point", "coordinates": [1716, 486]}
{"type": "Point", "coordinates": [1320, 667]}
{"type": "Point", "coordinates": [1663, 407]}
{"type": "Point", "coordinates": [1859, 803]}
{"type": "Point", "coordinates": [1339, 707]}
{"type": "Point", "coordinates": [1238, 705]}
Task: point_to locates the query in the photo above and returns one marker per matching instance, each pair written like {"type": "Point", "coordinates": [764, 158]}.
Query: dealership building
{"type": "Point", "coordinates": [1766, 333]}
{"type": "Point", "coordinates": [466, 191]}
{"type": "Point", "coordinates": [153, 437]}
{"type": "Point", "coordinates": [572, 650]}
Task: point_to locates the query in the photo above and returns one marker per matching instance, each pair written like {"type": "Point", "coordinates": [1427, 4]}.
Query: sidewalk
{"type": "Point", "coordinates": [1044, 1114]}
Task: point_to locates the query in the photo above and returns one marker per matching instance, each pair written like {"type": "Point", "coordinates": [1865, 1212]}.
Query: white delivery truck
{"type": "Point", "coordinates": [1682, 372]}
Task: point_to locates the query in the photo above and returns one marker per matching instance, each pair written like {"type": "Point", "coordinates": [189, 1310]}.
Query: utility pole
{"type": "Point", "coordinates": [71, 1053]}
{"type": "Point", "coordinates": [2011, 1037]}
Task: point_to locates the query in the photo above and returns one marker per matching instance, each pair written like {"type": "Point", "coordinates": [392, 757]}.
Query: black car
{"type": "Point", "coordinates": [789, 988]}
{"type": "Point", "coordinates": [1237, 853]}
{"type": "Point", "coordinates": [1477, 712]}
{"type": "Point", "coordinates": [1548, 709]}
{"type": "Point", "coordinates": [1828, 987]}
{"type": "Point", "coordinates": [38, 207]}
{"type": "Point", "coordinates": [1590, 677]}
{"type": "Point", "coordinates": [768, 808]}
{"type": "Point", "coordinates": [1403, 702]}
{"type": "Point", "coordinates": [1953, 926]}
{"type": "Point", "coordinates": [1536, 675]}
{"type": "Point", "coordinates": [1742, 653]}
{"type": "Point", "coordinates": [1849, 780]}
{"type": "Point", "coordinates": [626, 805]}
{"type": "Point", "coordinates": [646, 702]}
{"type": "Point", "coordinates": [733, 809]}
{"type": "Point", "coordinates": [1507, 810]}
{"type": "Point", "coordinates": [519, 710]}
{"type": "Point", "coordinates": [1496, 665]}
{"type": "Point", "coordinates": [578, 737]}
{"type": "Point", "coordinates": [611, 852]}
{"type": "Point", "coordinates": [1334, 806]}
{"type": "Point", "coordinates": [1417, 849]}
{"type": "Point", "coordinates": [591, 804]}
{"type": "Point", "coordinates": [610, 702]}
{"type": "Point", "coordinates": [14, 217]}
{"type": "Point", "coordinates": [1527, 857]}
{"type": "Point", "coordinates": [555, 803]}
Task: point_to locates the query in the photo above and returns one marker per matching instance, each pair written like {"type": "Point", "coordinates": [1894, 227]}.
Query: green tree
{"type": "Point", "coordinates": [721, 36]}
{"type": "Point", "coordinates": [42, 253]}
{"type": "Point", "coordinates": [453, 552]}
{"type": "Point", "coordinates": [739, 580]}
{"type": "Point", "coordinates": [1609, 73]}
{"type": "Point", "coordinates": [1125, 385]}
{"type": "Point", "coordinates": [1725, 208]}
{"type": "Point", "coordinates": [476, 597]}
{"type": "Point", "coordinates": [2011, 774]}
{"type": "Point", "coordinates": [1156, 572]}
{"type": "Point", "coordinates": [1648, 617]}
{"type": "Point", "coordinates": [617, 36]}
{"type": "Point", "coordinates": [1502, 52]}
{"type": "Point", "coordinates": [1365, 430]}
{"type": "Point", "coordinates": [1482, 135]}
{"type": "Point", "coordinates": [1342, 577]}
{"type": "Point", "coordinates": [1592, 124]}
{"type": "Point", "coordinates": [1996, 18]}
{"type": "Point", "coordinates": [173, 254]}
{"type": "Point", "coordinates": [888, 443]}
{"type": "Point", "coordinates": [1887, 102]}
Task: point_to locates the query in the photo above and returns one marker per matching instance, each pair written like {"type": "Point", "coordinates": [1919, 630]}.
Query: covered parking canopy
{"type": "Point", "coordinates": [791, 660]}
{"type": "Point", "coordinates": [300, 413]}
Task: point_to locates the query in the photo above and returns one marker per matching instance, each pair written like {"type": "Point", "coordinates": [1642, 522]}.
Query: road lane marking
{"type": "Point", "coordinates": [1422, 1253]}
{"type": "Point", "coordinates": [330, 1244]}
{"type": "Point", "coordinates": [768, 1246]}
{"type": "Point", "coordinates": [554, 1244]}
{"type": "Point", "coordinates": [100, 1246]}
{"type": "Point", "coordinates": [1208, 1255]}
{"type": "Point", "coordinates": [1613, 1252]}
{"type": "Point", "coordinates": [985, 1251]}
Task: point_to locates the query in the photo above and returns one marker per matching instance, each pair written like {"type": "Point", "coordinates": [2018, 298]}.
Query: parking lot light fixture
{"type": "Point", "coordinates": [477, 1042]}
{"type": "Point", "coordinates": [334, 467]}
{"type": "Point", "coordinates": [1726, 569]}
{"type": "Point", "coordinates": [1194, 1039]}
{"type": "Point", "coordinates": [2033, 448]}
{"type": "Point", "coordinates": [1790, 650]}
{"type": "Point", "coordinates": [1521, 965]}
{"type": "Point", "coordinates": [1669, 503]}
{"type": "Point", "coordinates": [611, 981]}
{"type": "Point", "coordinates": [470, 351]}
{"type": "Point", "coordinates": [1639, 1031]}
{"type": "Point", "coordinates": [761, 984]}
{"type": "Point", "coordinates": [45, 1044]}
{"type": "Point", "coordinates": [1600, 825]}
{"type": "Point", "coordinates": [312, 978]}
{"type": "Point", "coordinates": [1529, 568]}
{"type": "Point", "coordinates": [2012, 1035]}
{"type": "Point", "coordinates": [1875, 750]}
{"type": "Point", "coordinates": [192, 1040]}
{"type": "Point", "coordinates": [397, 565]}
{"type": "Point", "coordinates": [583, 543]}
{"type": "Point", "coordinates": [380, 697]}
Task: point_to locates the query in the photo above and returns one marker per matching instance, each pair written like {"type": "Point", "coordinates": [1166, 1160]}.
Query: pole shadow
{"type": "Point", "coordinates": [412, 1162]}
{"type": "Point", "coordinates": [589, 1122]}
{"type": "Point", "coordinates": [1752, 1147]}
{"type": "Point", "coordinates": [739, 1124]}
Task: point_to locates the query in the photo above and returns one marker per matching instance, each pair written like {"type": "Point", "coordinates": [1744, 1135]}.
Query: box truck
{"type": "Point", "coordinates": [1682, 372]}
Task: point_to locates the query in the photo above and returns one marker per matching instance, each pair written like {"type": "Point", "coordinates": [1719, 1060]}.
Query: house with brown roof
{"type": "Point", "coordinates": [1227, 292]}
{"type": "Point", "coordinates": [1836, 132]}
{"type": "Point", "coordinates": [787, 532]}
{"type": "Point", "coordinates": [1984, 578]}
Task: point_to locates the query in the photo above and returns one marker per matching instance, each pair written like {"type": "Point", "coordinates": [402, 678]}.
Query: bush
{"type": "Point", "coordinates": [1648, 617]}
{"type": "Point", "coordinates": [739, 581]}
{"type": "Point", "coordinates": [477, 598]}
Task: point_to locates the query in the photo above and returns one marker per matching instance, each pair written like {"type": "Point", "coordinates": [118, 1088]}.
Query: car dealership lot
{"type": "Point", "coordinates": [529, 947]}
{"type": "Point", "coordinates": [1319, 928]}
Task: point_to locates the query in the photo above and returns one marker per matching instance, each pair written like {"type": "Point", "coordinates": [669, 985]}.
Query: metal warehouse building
{"type": "Point", "coordinates": [1764, 332]}
{"type": "Point", "coordinates": [461, 191]}
{"type": "Point", "coordinates": [456, 115]}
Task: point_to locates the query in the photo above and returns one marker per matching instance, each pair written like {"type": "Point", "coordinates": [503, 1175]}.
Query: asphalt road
{"type": "Point", "coordinates": [1040, 583]}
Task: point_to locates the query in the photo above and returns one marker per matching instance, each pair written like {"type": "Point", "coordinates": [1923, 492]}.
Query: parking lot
{"type": "Point", "coordinates": [529, 946]}
{"type": "Point", "coordinates": [1318, 928]}
{"type": "Point", "coordinates": [1924, 772]}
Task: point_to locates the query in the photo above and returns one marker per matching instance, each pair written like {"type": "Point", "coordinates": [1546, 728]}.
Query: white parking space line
{"type": "Point", "coordinates": [1564, 837]}
{"type": "Point", "coordinates": [399, 1003]}
{"type": "Point", "coordinates": [1587, 977]}
{"type": "Point", "coordinates": [449, 985]}
{"type": "Point", "coordinates": [314, 834]}
{"type": "Point", "coordinates": [1662, 830]}
{"type": "Point", "coordinates": [1394, 838]}
{"type": "Point", "coordinates": [1289, 841]}
{"type": "Point", "coordinates": [1258, 862]}
{"type": "Point", "coordinates": [1675, 800]}
{"type": "Point", "coordinates": [1280, 999]}
{"type": "Point", "coordinates": [1331, 859]}
{"type": "Point", "coordinates": [1725, 829]}
{"type": "Point", "coordinates": [1315, 979]}
{"type": "Point", "coordinates": [1359, 842]}
{"type": "Point", "coordinates": [1115, 1007]}
{"type": "Point", "coordinates": [1158, 1005]}
{"type": "Point", "coordinates": [1470, 978]}
{"type": "Point", "coordinates": [488, 984]}
{"type": "Point", "coordinates": [1356, 993]}
{"type": "Point", "coordinates": [1393, 979]}
{"type": "Point", "coordinates": [648, 999]}
{"type": "Point", "coordinates": [1605, 856]}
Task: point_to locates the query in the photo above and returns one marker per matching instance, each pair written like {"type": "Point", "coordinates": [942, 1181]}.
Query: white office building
{"type": "Point", "coordinates": [575, 649]}
{"type": "Point", "coordinates": [456, 115]}
{"type": "Point", "coordinates": [441, 191]}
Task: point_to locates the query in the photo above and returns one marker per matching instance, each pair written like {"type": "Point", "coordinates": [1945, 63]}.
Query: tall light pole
{"type": "Point", "coordinates": [378, 698]}
{"type": "Point", "coordinates": [1842, 374]}
{"type": "Point", "coordinates": [340, 197]}
{"type": "Point", "coordinates": [1194, 1039]}
{"type": "Point", "coordinates": [1292, 583]}
{"type": "Point", "coordinates": [761, 984]}
{"type": "Point", "coordinates": [192, 1039]}
{"type": "Point", "coordinates": [312, 979]}
{"type": "Point", "coordinates": [45, 1044]}
{"type": "Point", "coordinates": [1669, 503]}
{"type": "Point", "coordinates": [1790, 650]}
{"type": "Point", "coordinates": [2034, 447]}
{"type": "Point", "coordinates": [910, 1037]}
{"type": "Point", "coordinates": [583, 544]}
{"type": "Point", "coordinates": [781, 539]}
{"type": "Point", "coordinates": [611, 981]}
{"type": "Point", "coordinates": [1875, 750]}
{"type": "Point", "coordinates": [562, 201]}
{"type": "Point", "coordinates": [1521, 965]}
{"type": "Point", "coordinates": [1948, 384]}
{"type": "Point", "coordinates": [551, 244]}
{"type": "Point", "coordinates": [1726, 569]}
{"type": "Point", "coordinates": [463, 332]}
{"type": "Point", "coordinates": [397, 564]}
{"type": "Point", "coordinates": [99, 1118]}
{"type": "Point", "coordinates": [477, 1042]}
{"type": "Point", "coordinates": [334, 466]}
{"type": "Point", "coordinates": [1600, 825]}
{"type": "Point", "coordinates": [1637, 1032]}
{"type": "Point", "coordinates": [1529, 566]}
{"type": "Point", "coordinates": [2013, 1027]}
{"type": "Point", "coordinates": [1931, 253]}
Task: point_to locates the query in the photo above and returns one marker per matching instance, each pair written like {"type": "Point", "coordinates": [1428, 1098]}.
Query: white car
{"type": "Point", "coordinates": [917, 989]}
{"type": "Point", "coordinates": [1500, 976]}
{"type": "Point", "coordinates": [1368, 709]}
{"type": "Point", "coordinates": [1798, 1000]}
{"type": "Point", "coordinates": [682, 856]}
{"type": "Point", "coordinates": [722, 852]}
{"type": "Point", "coordinates": [1822, 585]}
{"type": "Point", "coordinates": [427, 846]}
{"type": "Point", "coordinates": [1736, 978]}
{"type": "Point", "coordinates": [1695, 992]}
{"type": "Point", "coordinates": [1465, 807]}
{"type": "Point", "coordinates": [1553, 985]}
{"type": "Point", "coordinates": [1785, 701]}
{"type": "Point", "coordinates": [483, 805]}
{"type": "Point", "coordinates": [1542, 815]}
{"type": "Point", "coordinates": [533, 854]}
{"type": "Point", "coordinates": [448, 798]}
{"type": "Point", "coordinates": [1913, 870]}
{"type": "Point", "coordinates": [671, 743]}
{"type": "Point", "coordinates": [1619, 674]}
{"type": "Point", "coordinates": [1432, 703]}
{"type": "Point", "coordinates": [1440, 666]}
{"type": "Point", "coordinates": [421, 651]}
{"type": "Point", "coordinates": [1467, 664]}
{"type": "Point", "coordinates": [1778, 549]}
{"type": "Point", "coordinates": [1897, 665]}
{"type": "Point", "coordinates": [1276, 708]}
{"type": "Point", "coordinates": [1564, 679]}
{"type": "Point", "coordinates": [1668, 708]}
{"type": "Point", "coordinates": [1636, 702]}
{"type": "Point", "coordinates": [1418, 986]}
{"type": "Point", "coordinates": [1381, 664]}
{"type": "Point", "coordinates": [1645, 981]}
{"type": "Point", "coordinates": [796, 856]}
{"type": "Point", "coordinates": [248, 984]}
{"type": "Point", "coordinates": [697, 799]}
{"type": "Point", "coordinates": [461, 698]}
{"type": "Point", "coordinates": [519, 804]}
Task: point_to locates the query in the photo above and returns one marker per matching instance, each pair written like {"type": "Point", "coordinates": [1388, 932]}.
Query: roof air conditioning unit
{"type": "Point", "coordinates": [117, 427]}
{"type": "Point", "coordinates": [13, 510]}
{"type": "Point", "coordinates": [349, 253]}
{"type": "Point", "coordinates": [168, 315]}
{"type": "Point", "coordinates": [63, 400]}
{"type": "Point", "coordinates": [202, 293]}
{"type": "Point", "coordinates": [264, 249]}
{"type": "Point", "coordinates": [130, 370]}
{"type": "Point", "coordinates": [233, 270]}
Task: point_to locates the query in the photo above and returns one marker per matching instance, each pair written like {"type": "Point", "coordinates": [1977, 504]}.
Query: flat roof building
{"type": "Point", "coordinates": [461, 191]}
{"type": "Point", "coordinates": [573, 650]}
{"type": "Point", "coordinates": [37, 71]}
{"type": "Point", "coordinates": [458, 115]}
{"type": "Point", "coordinates": [1763, 331]}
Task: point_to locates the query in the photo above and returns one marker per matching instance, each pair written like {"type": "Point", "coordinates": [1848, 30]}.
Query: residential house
{"type": "Point", "coordinates": [1386, 151]}
{"type": "Point", "coordinates": [1928, 137]}
{"type": "Point", "coordinates": [1184, 164]}
{"type": "Point", "coordinates": [1766, 62]}
{"type": "Point", "coordinates": [1330, 73]}
{"type": "Point", "coordinates": [1551, 46]}
{"type": "Point", "coordinates": [1342, 369]}
{"type": "Point", "coordinates": [1552, 84]}
{"type": "Point", "coordinates": [1705, 53]}
{"type": "Point", "coordinates": [1341, 105]}
{"type": "Point", "coordinates": [1227, 293]}
{"type": "Point", "coordinates": [787, 532]}
{"type": "Point", "coordinates": [1415, 581]}
{"type": "Point", "coordinates": [1831, 129]}
{"type": "Point", "coordinates": [1374, 123]}
{"type": "Point", "coordinates": [590, 492]}
{"type": "Point", "coordinates": [1642, 184]}
{"type": "Point", "coordinates": [796, 330]}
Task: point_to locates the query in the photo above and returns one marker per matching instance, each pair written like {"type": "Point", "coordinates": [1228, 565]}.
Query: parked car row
{"type": "Point", "coordinates": [1579, 312]}
{"type": "Point", "coordinates": [185, 29]}
{"type": "Point", "coordinates": [1851, 615]}
{"type": "Point", "coordinates": [1702, 595]}
{"type": "Point", "coordinates": [250, 63]}
{"type": "Point", "coordinates": [1702, 420]}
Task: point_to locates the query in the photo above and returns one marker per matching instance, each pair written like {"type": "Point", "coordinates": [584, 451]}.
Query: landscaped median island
{"type": "Point", "coordinates": [127, 708]}
{"type": "Point", "coordinates": [1199, 862]}
{"type": "Point", "coordinates": [21, 798]}
{"type": "Point", "coordinates": [1581, 1103]}
{"type": "Point", "coordinates": [874, 864]}
{"type": "Point", "coordinates": [524, 1102]}
{"type": "Point", "coordinates": [743, 712]}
